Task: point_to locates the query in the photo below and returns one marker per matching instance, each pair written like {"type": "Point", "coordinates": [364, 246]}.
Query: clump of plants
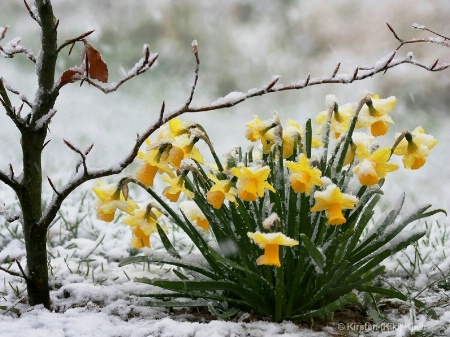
{"type": "Point", "coordinates": [285, 229]}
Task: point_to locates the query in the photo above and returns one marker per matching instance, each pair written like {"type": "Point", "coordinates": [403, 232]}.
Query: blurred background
{"type": "Point", "coordinates": [242, 44]}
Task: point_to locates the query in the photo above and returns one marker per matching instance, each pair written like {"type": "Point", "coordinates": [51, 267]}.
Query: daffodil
{"type": "Point", "coordinates": [373, 166]}
{"type": "Point", "coordinates": [173, 191]}
{"type": "Point", "coordinates": [143, 224]}
{"type": "Point", "coordinates": [358, 139]}
{"type": "Point", "coordinates": [374, 115]}
{"type": "Point", "coordinates": [252, 181]}
{"type": "Point", "coordinates": [271, 243]}
{"type": "Point", "coordinates": [415, 147]}
{"type": "Point", "coordinates": [333, 201]}
{"type": "Point", "coordinates": [194, 213]}
{"type": "Point", "coordinates": [183, 147]}
{"type": "Point", "coordinates": [153, 163]}
{"type": "Point", "coordinates": [303, 176]}
{"type": "Point", "coordinates": [110, 199]}
{"type": "Point", "coordinates": [340, 120]}
{"type": "Point", "coordinates": [258, 130]}
{"type": "Point", "coordinates": [174, 128]}
{"type": "Point", "coordinates": [221, 190]}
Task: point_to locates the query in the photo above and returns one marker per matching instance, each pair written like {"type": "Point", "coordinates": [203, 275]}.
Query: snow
{"type": "Point", "coordinates": [230, 99]}
{"type": "Point", "coordinates": [90, 293]}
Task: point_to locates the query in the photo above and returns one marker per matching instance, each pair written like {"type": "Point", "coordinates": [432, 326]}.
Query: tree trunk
{"type": "Point", "coordinates": [31, 204]}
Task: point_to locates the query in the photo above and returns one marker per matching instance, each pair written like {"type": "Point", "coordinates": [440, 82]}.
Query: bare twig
{"type": "Point", "coordinates": [52, 185]}
{"type": "Point", "coordinates": [422, 27]}
{"type": "Point", "coordinates": [443, 41]}
{"type": "Point", "coordinates": [197, 68]}
{"type": "Point", "coordinates": [81, 153]}
{"type": "Point", "coordinates": [33, 15]}
{"type": "Point", "coordinates": [22, 97]}
{"type": "Point", "coordinates": [10, 181]}
{"type": "Point", "coordinates": [161, 114]}
{"type": "Point", "coordinates": [73, 41]}
{"type": "Point", "coordinates": [21, 269]}
{"type": "Point", "coordinates": [336, 70]}
{"type": "Point", "coordinates": [141, 68]}
{"type": "Point", "coordinates": [10, 272]}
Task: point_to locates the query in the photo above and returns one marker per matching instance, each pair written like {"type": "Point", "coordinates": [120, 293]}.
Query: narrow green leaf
{"type": "Point", "coordinates": [166, 243]}
{"type": "Point", "coordinates": [318, 257]}
{"type": "Point", "coordinates": [328, 309]}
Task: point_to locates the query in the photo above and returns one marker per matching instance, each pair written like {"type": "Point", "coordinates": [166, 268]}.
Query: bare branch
{"type": "Point", "coordinates": [161, 114]}
{"type": "Point", "coordinates": [336, 70]}
{"type": "Point", "coordinates": [22, 97]}
{"type": "Point", "coordinates": [21, 269]}
{"type": "Point", "coordinates": [73, 41]}
{"type": "Point", "coordinates": [81, 153]}
{"type": "Point", "coordinates": [13, 47]}
{"type": "Point", "coordinates": [442, 40]}
{"type": "Point", "coordinates": [144, 64]}
{"type": "Point", "coordinates": [10, 180]}
{"type": "Point", "coordinates": [10, 272]}
{"type": "Point", "coordinates": [422, 27]}
{"type": "Point", "coordinates": [197, 68]}
{"type": "Point", "coordinates": [32, 14]}
{"type": "Point", "coordinates": [52, 185]}
{"type": "Point", "coordinates": [9, 216]}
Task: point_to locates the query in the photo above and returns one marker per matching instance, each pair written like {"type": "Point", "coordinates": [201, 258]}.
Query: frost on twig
{"type": "Point", "coordinates": [13, 47]}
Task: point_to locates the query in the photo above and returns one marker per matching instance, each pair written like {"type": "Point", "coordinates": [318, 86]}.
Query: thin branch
{"type": "Point", "coordinates": [10, 181]}
{"type": "Point", "coordinates": [440, 41]}
{"type": "Point", "coordinates": [32, 14]}
{"type": "Point", "coordinates": [21, 269]}
{"type": "Point", "coordinates": [197, 68]}
{"type": "Point", "coordinates": [10, 272]}
{"type": "Point", "coordinates": [141, 67]}
{"type": "Point", "coordinates": [22, 97]}
{"type": "Point", "coordinates": [73, 41]}
{"type": "Point", "coordinates": [14, 47]}
{"type": "Point", "coordinates": [81, 153]}
{"type": "Point", "coordinates": [422, 27]}
{"type": "Point", "coordinates": [52, 185]}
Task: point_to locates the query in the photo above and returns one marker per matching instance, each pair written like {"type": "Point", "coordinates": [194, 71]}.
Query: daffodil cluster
{"type": "Point", "coordinates": [281, 227]}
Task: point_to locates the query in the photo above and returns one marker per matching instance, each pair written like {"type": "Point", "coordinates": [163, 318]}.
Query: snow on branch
{"type": "Point", "coordinates": [13, 47]}
{"type": "Point", "coordinates": [440, 40]}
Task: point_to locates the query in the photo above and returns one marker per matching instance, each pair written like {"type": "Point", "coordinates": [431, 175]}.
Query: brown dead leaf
{"type": "Point", "coordinates": [98, 69]}
{"type": "Point", "coordinates": [70, 76]}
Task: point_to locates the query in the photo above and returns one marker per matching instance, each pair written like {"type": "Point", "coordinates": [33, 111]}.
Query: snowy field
{"type": "Point", "coordinates": [91, 295]}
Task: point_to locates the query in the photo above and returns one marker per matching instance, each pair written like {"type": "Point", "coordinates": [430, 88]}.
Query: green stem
{"type": "Point", "coordinates": [279, 295]}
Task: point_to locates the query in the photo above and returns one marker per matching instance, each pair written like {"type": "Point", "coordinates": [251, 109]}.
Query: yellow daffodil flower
{"type": "Point", "coordinates": [415, 147]}
{"type": "Point", "coordinates": [373, 166]}
{"type": "Point", "coordinates": [303, 176]}
{"type": "Point", "coordinates": [221, 190]}
{"type": "Point", "coordinates": [194, 213]}
{"type": "Point", "coordinates": [374, 115]}
{"type": "Point", "coordinates": [252, 182]}
{"type": "Point", "coordinates": [174, 128]}
{"type": "Point", "coordinates": [358, 139]}
{"type": "Point", "coordinates": [258, 130]}
{"type": "Point", "coordinates": [173, 191]}
{"type": "Point", "coordinates": [271, 242]}
{"type": "Point", "coordinates": [340, 121]}
{"type": "Point", "coordinates": [111, 199]}
{"type": "Point", "coordinates": [153, 163]}
{"type": "Point", "coordinates": [143, 224]}
{"type": "Point", "coordinates": [333, 201]}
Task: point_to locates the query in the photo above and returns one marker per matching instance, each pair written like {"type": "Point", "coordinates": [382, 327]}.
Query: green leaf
{"type": "Point", "coordinates": [157, 258]}
{"type": "Point", "coordinates": [327, 309]}
{"type": "Point", "coordinates": [223, 315]}
{"type": "Point", "coordinates": [318, 257]}
{"type": "Point", "coordinates": [165, 241]}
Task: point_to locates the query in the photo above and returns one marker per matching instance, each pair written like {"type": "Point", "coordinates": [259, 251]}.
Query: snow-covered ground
{"type": "Point", "coordinates": [91, 295]}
